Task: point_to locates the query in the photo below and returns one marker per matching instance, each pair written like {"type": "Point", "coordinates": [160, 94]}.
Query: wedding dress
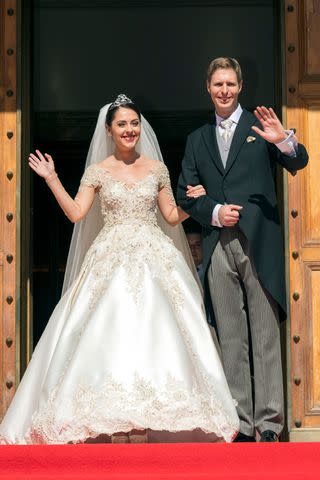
{"type": "Point", "coordinates": [128, 346]}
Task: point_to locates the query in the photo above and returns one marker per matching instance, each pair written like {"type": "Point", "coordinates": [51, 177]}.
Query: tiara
{"type": "Point", "coordinates": [120, 100]}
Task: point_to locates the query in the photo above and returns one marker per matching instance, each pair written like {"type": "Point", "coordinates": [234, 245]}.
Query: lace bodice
{"type": "Point", "coordinates": [134, 202]}
{"type": "Point", "coordinates": [131, 237]}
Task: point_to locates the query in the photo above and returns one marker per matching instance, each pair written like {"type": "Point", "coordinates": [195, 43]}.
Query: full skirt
{"type": "Point", "coordinates": [124, 349]}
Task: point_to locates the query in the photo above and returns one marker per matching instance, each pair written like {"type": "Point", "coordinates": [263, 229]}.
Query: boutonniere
{"type": "Point", "coordinates": [251, 139]}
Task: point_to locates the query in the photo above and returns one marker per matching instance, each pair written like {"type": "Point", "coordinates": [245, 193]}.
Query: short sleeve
{"type": "Point", "coordinates": [90, 177]}
{"type": "Point", "coordinates": [164, 182]}
{"type": "Point", "coordinates": [163, 176]}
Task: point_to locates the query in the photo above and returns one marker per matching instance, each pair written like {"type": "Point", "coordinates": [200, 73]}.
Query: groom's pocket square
{"type": "Point", "coordinates": [250, 139]}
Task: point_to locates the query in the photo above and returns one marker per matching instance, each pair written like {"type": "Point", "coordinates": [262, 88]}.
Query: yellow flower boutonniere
{"type": "Point", "coordinates": [251, 139]}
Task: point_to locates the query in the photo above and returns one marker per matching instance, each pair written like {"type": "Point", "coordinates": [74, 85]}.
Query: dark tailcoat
{"type": "Point", "coordinates": [247, 180]}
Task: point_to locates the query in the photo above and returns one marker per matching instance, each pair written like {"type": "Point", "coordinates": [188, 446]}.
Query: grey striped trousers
{"type": "Point", "coordinates": [245, 313]}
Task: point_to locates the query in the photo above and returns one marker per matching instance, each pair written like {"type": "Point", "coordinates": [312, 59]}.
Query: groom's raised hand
{"type": "Point", "coordinates": [272, 129]}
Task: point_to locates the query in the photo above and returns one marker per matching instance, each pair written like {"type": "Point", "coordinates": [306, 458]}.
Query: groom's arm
{"type": "Point", "coordinates": [282, 144]}
{"type": "Point", "coordinates": [200, 208]}
{"type": "Point", "coordinates": [291, 162]}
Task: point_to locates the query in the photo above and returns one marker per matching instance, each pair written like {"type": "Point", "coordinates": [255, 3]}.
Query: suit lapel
{"type": "Point", "coordinates": [239, 137]}
{"type": "Point", "coordinates": [210, 139]}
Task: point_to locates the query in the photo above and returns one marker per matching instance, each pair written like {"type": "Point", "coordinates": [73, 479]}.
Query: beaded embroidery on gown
{"type": "Point", "coordinates": [128, 346]}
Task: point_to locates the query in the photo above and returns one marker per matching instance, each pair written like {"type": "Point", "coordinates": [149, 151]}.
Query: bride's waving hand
{"type": "Point", "coordinates": [75, 209]}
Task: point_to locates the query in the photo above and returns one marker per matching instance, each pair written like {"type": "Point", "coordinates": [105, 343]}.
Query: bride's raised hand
{"type": "Point", "coordinates": [196, 191]}
{"type": "Point", "coordinates": [75, 209]}
{"type": "Point", "coordinates": [42, 164]}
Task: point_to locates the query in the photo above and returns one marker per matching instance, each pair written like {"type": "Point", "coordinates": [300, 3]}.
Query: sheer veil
{"type": "Point", "coordinates": [86, 230]}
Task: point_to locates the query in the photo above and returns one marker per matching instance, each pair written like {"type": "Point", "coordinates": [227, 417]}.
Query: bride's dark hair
{"type": "Point", "coordinates": [121, 102]}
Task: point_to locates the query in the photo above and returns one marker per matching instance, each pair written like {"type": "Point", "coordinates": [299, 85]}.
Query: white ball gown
{"type": "Point", "coordinates": [128, 346]}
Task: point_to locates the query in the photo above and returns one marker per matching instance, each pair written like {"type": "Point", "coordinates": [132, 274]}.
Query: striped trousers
{"type": "Point", "coordinates": [247, 323]}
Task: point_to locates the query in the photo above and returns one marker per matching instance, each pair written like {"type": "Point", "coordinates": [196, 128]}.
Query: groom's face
{"type": "Point", "coordinates": [224, 90]}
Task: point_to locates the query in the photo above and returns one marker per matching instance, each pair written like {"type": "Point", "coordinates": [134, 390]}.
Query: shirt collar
{"type": "Point", "coordinates": [235, 116]}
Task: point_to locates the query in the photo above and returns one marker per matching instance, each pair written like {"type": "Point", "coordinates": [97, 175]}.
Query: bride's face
{"type": "Point", "coordinates": [125, 128]}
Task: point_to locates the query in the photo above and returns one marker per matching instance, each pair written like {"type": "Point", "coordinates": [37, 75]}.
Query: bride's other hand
{"type": "Point", "coordinates": [42, 164]}
{"type": "Point", "coordinates": [196, 191]}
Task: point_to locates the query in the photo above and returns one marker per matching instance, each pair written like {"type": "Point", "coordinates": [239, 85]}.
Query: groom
{"type": "Point", "coordinates": [234, 158]}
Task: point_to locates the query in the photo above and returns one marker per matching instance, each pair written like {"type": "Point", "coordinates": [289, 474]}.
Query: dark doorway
{"type": "Point", "coordinates": [157, 52]}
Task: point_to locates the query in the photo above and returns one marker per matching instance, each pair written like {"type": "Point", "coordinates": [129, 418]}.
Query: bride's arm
{"type": "Point", "coordinates": [75, 209]}
{"type": "Point", "coordinates": [168, 207]}
{"type": "Point", "coordinates": [166, 202]}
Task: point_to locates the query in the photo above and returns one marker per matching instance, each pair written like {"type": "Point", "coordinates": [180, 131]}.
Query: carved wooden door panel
{"type": "Point", "coordinates": [8, 210]}
{"type": "Point", "coordinates": [302, 20]}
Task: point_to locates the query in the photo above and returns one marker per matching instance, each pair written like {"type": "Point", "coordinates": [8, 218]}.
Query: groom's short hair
{"type": "Point", "coordinates": [224, 62]}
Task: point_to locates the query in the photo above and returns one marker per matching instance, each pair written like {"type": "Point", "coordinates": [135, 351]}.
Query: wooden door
{"type": "Point", "coordinates": [302, 41]}
{"type": "Point", "coordinates": [8, 204]}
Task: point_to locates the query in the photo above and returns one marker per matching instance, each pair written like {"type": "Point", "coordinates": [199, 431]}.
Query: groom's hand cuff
{"type": "Point", "coordinates": [289, 145]}
{"type": "Point", "coordinates": [215, 216]}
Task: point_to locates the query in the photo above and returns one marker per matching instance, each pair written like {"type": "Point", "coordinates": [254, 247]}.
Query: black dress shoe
{"type": "Point", "coordinates": [241, 437]}
{"type": "Point", "coordinates": [269, 436]}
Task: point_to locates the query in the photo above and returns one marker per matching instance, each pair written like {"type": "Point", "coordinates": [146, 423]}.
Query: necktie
{"type": "Point", "coordinates": [226, 126]}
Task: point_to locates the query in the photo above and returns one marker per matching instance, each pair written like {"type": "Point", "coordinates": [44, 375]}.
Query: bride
{"type": "Point", "coordinates": [127, 349]}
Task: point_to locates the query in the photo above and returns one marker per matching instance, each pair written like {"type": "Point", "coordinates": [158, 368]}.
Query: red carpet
{"type": "Point", "coordinates": [285, 461]}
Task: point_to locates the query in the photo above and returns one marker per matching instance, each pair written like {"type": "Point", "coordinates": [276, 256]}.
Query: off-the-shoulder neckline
{"type": "Point", "coordinates": [128, 185]}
